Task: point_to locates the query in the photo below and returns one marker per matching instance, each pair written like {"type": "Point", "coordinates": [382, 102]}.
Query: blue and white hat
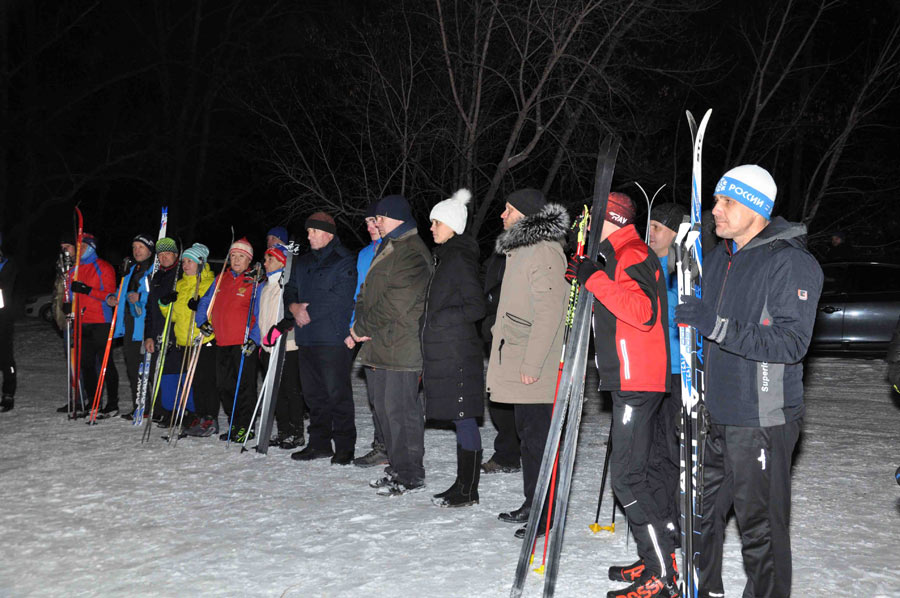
{"type": "Point", "coordinates": [750, 185]}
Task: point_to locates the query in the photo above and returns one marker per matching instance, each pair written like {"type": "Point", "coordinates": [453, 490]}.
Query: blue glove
{"type": "Point", "coordinates": [692, 312]}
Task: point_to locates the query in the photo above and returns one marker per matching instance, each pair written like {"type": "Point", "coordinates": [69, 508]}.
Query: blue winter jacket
{"type": "Point", "coordinates": [326, 279]}
{"type": "Point", "coordinates": [765, 299]}
{"type": "Point", "coordinates": [138, 310]}
{"type": "Point", "coordinates": [363, 261]}
{"type": "Point", "coordinates": [672, 301]}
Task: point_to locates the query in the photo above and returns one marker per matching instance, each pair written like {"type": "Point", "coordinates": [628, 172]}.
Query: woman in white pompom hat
{"type": "Point", "coordinates": [453, 364]}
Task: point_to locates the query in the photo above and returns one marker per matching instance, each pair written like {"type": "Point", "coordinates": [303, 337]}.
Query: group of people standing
{"type": "Point", "coordinates": [423, 318]}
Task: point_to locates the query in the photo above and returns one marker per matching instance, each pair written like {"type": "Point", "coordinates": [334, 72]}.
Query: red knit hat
{"type": "Point", "coordinates": [277, 251]}
{"type": "Point", "coordinates": [619, 209]}
{"type": "Point", "coordinates": [243, 246]}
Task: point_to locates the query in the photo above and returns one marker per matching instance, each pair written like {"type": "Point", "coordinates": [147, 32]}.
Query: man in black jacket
{"type": "Point", "coordinates": [318, 300]}
{"type": "Point", "coordinates": [760, 290]}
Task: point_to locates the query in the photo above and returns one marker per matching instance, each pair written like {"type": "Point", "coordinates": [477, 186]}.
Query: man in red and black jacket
{"type": "Point", "coordinates": [96, 286]}
{"type": "Point", "coordinates": [631, 328]}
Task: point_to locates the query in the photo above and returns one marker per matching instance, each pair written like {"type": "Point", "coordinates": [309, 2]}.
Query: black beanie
{"type": "Point", "coordinates": [670, 215]}
{"type": "Point", "coordinates": [147, 240]}
{"type": "Point", "coordinates": [527, 201]}
{"type": "Point", "coordinates": [394, 206]}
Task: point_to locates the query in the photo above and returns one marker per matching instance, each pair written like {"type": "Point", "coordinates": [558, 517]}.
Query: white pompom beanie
{"type": "Point", "coordinates": [453, 212]}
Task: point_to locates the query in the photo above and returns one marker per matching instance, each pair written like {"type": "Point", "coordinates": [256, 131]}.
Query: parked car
{"type": "Point", "coordinates": [858, 309]}
{"type": "Point", "coordinates": [40, 307]}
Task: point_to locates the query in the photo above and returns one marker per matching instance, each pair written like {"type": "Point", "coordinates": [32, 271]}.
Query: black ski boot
{"type": "Point", "coordinates": [649, 585]}
{"type": "Point", "coordinates": [464, 491]}
{"type": "Point", "coordinates": [6, 403]}
{"type": "Point", "coordinates": [627, 573]}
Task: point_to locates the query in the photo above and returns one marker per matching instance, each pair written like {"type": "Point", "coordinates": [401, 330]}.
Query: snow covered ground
{"type": "Point", "coordinates": [91, 512]}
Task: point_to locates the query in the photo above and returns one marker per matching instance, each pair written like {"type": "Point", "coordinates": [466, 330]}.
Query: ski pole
{"type": "Point", "coordinates": [102, 377]}
{"type": "Point", "coordinates": [596, 527]}
{"type": "Point", "coordinates": [237, 386]}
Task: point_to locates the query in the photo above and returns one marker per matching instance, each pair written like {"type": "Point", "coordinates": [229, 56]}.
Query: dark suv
{"type": "Point", "coordinates": [858, 309]}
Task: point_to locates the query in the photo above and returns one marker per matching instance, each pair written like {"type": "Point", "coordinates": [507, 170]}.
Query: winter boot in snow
{"type": "Point", "coordinates": [494, 466]}
{"type": "Point", "coordinates": [468, 472]}
{"type": "Point", "coordinates": [6, 403]}
{"type": "Point", "coordinates": [108, 411]}
{"type": "Point", "coordinates": [455, 484]}
{"type": "Point", "coordinates": [293, 441]}
{"type": "Point", "coordinates": [377, 456]}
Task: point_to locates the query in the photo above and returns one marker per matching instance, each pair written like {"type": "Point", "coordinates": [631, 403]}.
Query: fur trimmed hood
{"type": "Point", "coordinates": [550, 224]}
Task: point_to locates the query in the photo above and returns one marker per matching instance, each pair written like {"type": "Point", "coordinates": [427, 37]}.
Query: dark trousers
{"type": "Point", "coordinates": [7, 361]}
{"type": "Point", "coordinates": [506, 443]}
{"type": "Point", "coordinates": [664, 463]}
{"type": "Point", "coordinates": [93, 345]}
{"type": "Point", "coordinates": [749, 469]}
{"type": "Point", "coordinates": [401, 412]}
{"type": "Point", "coordinates": [228, 365]}
{"type": "Point", "coordinates": [131, 351]}
{"type": "Point", "coordinates": [325, 378]}
{"type": "Point", "coordinates": [289, 407]}
{"type": "Point", "coordinates": [377, 436]}
{"type": "Point", "coordinates": [632, 436]}
{"type": "Point", "coordinates": [532, 426]}
{"type": "Point", "coordinates": [203, 386]}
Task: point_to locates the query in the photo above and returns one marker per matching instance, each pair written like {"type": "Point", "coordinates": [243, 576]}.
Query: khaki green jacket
{"type": "Point", "coordinates": [391, 301]}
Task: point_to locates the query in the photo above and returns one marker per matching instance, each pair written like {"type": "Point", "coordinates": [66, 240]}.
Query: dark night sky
{"type": "Point", "coordinates": [229, 111]}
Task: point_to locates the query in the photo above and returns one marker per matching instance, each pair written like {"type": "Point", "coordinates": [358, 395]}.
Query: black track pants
{"type": "Point", "coordinates": [750, 469]}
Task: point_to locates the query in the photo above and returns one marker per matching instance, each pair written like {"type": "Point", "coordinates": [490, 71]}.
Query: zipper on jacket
{"type": "Point", "coordinates": [625, 359]}
{"type": "Point", "coordinates": [500, 352]}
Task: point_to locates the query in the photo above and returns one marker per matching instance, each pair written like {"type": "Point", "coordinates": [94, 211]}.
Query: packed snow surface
{"type": "Point", "coordinates": [90, 511]}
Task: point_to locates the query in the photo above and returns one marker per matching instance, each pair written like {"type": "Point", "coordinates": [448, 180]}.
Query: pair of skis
{"type": "Point", "coordinates": [144, 369]}
{"type": "Point", "coordinates": [569, 399]}
{"type": "Point", "coordinates": [689, 253]}
{"type": "Point", "coordinates": [73, 325]}
{"type": "Point", "coordinates": [145, 365]}
{"type": "Point", "coordinates": [268, 395]}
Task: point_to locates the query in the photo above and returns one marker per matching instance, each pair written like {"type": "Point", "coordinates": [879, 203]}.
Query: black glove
{"type": "Point", "coordinates": [249, 347]}
{"type": "Point", "coordinates": [206, 328]}
{"type": "Point", "coordinates": [581, 268]}
{"type": "Point", "coordinates": [169, 298]}
{"type": "Point", "coordinates": [80, 287]}
{"type": "Point", "coordinates": [67, 308]}
{"type": "Point", "coordinates": [192, 303]}
{"type": "Point", "coordinates": [692, 312]}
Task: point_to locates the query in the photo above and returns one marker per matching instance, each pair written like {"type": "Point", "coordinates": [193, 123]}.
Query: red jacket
{"type": "Point", "coordinates": [630, 316]}
{"type": "Point", "coordinates": [101, 277]}
{"type": "Point", "coordinates": [229, 312]}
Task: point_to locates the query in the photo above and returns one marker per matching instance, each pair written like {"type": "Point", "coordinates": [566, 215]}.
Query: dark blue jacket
{"type": "Point", "coordinates": [326, 279]}
{"type": "Point", "coordinates": [765, 298]}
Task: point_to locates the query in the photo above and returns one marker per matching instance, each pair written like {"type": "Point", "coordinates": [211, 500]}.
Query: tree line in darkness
{"type": "Point", "coordinates": [251, 113]}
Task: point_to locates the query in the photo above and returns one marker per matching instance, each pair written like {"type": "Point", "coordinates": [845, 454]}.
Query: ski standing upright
{"type": "Point", "coordinates": [689, 252]}
{"type": "Point", "coordinates": [570, 393]}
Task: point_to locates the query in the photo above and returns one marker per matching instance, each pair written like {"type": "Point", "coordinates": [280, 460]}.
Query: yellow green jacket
{"type": "Point", "coordinates": [183, 316]}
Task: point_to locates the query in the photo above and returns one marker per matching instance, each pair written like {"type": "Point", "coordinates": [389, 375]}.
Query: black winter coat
{"type": "Point", "coordinates": [453, 362]}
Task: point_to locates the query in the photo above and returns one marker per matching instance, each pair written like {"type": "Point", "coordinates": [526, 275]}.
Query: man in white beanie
{"type": "Point", "coordinates": [760, 290]}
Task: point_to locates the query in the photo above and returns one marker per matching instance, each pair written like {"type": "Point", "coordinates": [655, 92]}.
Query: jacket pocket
{"type": "Point", "coordinates": [515, 330]}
